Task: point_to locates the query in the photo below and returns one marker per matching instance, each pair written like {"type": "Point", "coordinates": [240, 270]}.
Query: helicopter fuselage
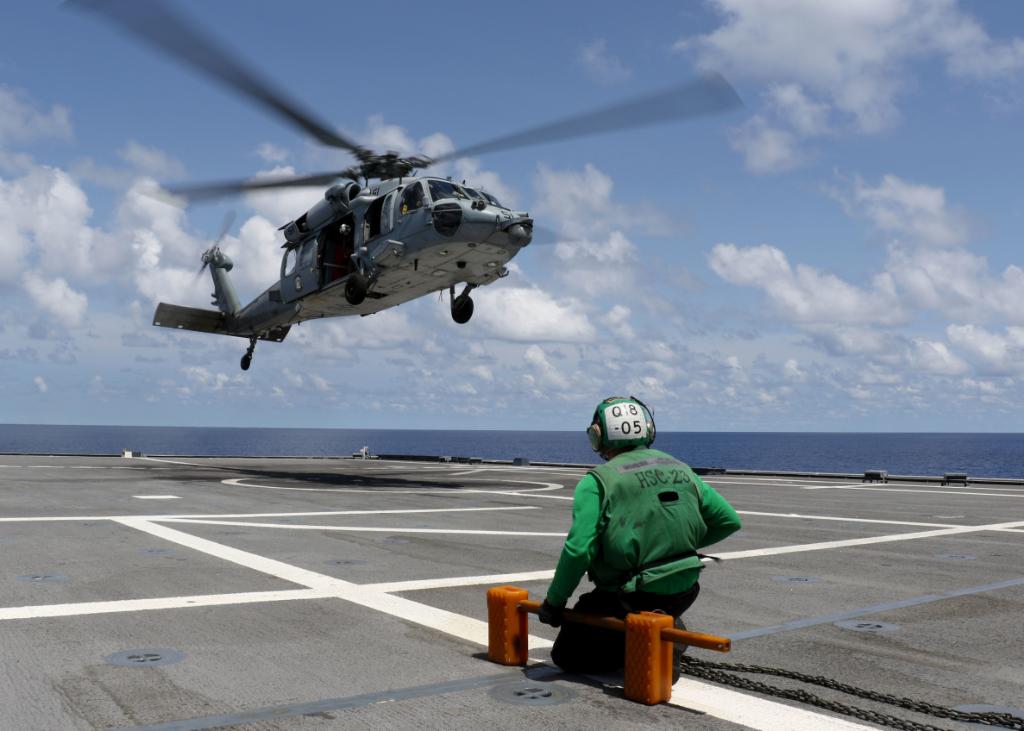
{"type": "Point", "coordinates": [405, 237]}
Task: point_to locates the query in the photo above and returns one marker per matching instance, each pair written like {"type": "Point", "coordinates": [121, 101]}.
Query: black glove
{"type": "Point", "coordinates": [550, 614]}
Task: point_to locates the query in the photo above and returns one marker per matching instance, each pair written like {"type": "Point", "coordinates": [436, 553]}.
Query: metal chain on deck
{"type": "Point", "coordinates": [723, 673]}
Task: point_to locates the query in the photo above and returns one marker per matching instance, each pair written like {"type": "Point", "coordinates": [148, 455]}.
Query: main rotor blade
{"type": "Point", "coordinates": [157, 24]}
{"type": "Point", "coordinates": [709, 94]}
{"type": "Point", "coordinates": [210, 191]}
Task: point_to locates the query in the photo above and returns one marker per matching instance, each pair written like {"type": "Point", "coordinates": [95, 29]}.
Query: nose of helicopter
{"type": "Point", "coordinates": [519, 234]}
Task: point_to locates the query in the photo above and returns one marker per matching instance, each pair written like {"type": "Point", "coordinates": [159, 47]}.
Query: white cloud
{"type": "Point", "coordinates": [41, 384]}
{"type": "Point", "coordinates": [545, 373]}
{"type": "Point", "coordinates": [600, 64]}
{"type": "Point", "coordinates": [269, 152]}
{"type": "Point", "coordinates": [294, 379]}
{"type": "Point", "coordinates": [207, 380]}
{"type": "Point", "coordinates": [21, 122]}
{"type": "Point", "coordinates": [808, 117]}
{"type": "Point", "coordinates": [284, 204]}
{"type": "Point", "coordinates": [150, 161]}
{"type": "Point", "coordinates": [919, 212]}
{"type": "Point", "coordinates": [766, 149]}
{"type": "Point", "coordinates": [617, 321]}
{"type": "Point", "coordinates": [57, 298]}
{"type": "Point", "coordinates": [845, 59]}
{"type": "Point", "coordinates": [483, 373]}
{"type": "Point", "coordinates": [792, 371]}
{"type": "Point", "coordinates": [994, 353]}
{"type": "Point", "coordinates": [530, 314]}
{"type": "Point", "coordinates": [957, 283]}
{"type": "Point", "coordinates": [44, 218]}
{"type": "Point", "coordinates": [805, 294]}
{"type": "Point", "coordinates": [934, 357]}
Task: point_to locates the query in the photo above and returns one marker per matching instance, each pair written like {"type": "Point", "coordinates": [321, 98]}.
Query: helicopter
{"type": "Point", "coordinates": [387, 233]}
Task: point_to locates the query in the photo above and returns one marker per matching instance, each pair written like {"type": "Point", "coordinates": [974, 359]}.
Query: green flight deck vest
{"type": "Point", "coordinates": [652, 525]}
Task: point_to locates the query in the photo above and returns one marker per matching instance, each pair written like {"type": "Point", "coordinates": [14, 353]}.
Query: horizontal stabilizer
{"type": "Point", "coordinates": [205, 321]}
{"type": "Point", "coordinates": [190, 318]}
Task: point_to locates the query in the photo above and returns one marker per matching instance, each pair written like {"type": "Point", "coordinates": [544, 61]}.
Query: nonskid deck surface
{"type": "Point", "coordinates": [192, 593]}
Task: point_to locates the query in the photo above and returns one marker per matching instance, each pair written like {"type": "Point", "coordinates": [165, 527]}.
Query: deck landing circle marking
{"type": "Point", "coordinates": [148, 657]}
{"type": "Point", "coordinates": [866, 625]}
{"type": "Point", "coordinates": [546, 486]}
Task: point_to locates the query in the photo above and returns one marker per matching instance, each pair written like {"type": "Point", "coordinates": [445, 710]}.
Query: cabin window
{"type": "Point", "coordinates": [291, 258]}
{"type": "Point", "coordinates": [386, 213]}
{"type": "Point", "coordinates": [413, 198]}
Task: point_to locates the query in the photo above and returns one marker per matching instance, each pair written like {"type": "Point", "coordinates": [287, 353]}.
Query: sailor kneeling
{"type": "Point", "coordinates": [638, 521]}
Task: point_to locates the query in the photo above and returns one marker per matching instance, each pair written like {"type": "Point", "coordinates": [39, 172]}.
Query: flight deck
{"type": "Point", "coordinates": [194, 593]}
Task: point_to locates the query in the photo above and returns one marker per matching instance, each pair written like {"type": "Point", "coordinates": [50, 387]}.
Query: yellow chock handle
{"type": "Point", "coordinates": [507, 642]}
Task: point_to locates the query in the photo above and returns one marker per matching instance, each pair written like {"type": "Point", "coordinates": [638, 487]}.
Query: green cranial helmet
{"type": "Point", "coordinates": [621, 421]}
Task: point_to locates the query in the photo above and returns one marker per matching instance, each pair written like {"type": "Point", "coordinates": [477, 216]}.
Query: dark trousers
{"type": "Point", "coordinates": [580, 648]}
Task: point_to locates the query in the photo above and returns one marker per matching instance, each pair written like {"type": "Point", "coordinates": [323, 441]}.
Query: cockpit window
{"type": "Point", "coordinates": [493, 201]}
{"type": "Point", "coordinates": [412, 198]}
{"type": "Point", "coordinates": [473, 193]}
{"type": "Point", "coordinates": [441, 189]}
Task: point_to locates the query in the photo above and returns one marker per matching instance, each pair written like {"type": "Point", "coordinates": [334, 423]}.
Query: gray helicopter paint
{"type": "Point", "coordinates": [412, 258]}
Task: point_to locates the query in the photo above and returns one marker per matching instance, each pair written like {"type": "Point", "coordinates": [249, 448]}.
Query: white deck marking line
{"type": "Point", "coordinates": [365, 529]}
{"type": "Point", "coordinates": [545, 486]}
{"type": "Point", "coordinates": [392, 587]}
{"type": "Point", "coordinates": [756, 713]}
{"type": "Point", "coordinates": [802, 483]}
{"type": "Point", "coordinates": [752, 711]}
{"type": "Point", "coordinates": [294, 574]}
{"type": "Point", "coordinates": [173, 602]}
{"type": "Point", "coordinates": [848, 520]}
{"type": "Point", "coordinates": [799, 548]}
{"type": "Point", "coordinates": [528, 493]}
{"type": "Point", "coordinates": [934, 492]}
{"type": "Point", "coordinates": [156, 497]}
{"type": "Point", "coordinates": [439, 619]}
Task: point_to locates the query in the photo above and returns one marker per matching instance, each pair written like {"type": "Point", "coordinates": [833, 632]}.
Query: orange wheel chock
{"type": "Point", "coordinates": [649, 640]}
{"type": "Point", "coordinates": [507, 642]}
{"type": "Point", "coordinates": [648, 658]}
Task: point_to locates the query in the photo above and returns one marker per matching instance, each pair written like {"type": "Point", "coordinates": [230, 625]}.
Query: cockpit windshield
{"type": "Point", "coordinates": [441, 189]}
{"type": "Point", "coordinates": [493, 201]}
{"type": "Point", "coordinates": [480, 195]}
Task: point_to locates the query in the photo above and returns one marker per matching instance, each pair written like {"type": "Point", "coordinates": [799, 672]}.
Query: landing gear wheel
{"type": "Point", "coordinates": [355, 289]}
{"type": "Point", "coordinates": [247, 358]}
{"type": "Point", "coordinates": [462, 309]}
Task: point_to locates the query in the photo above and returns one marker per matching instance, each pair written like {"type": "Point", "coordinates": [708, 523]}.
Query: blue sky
{"type": "Point", "coordinates": [843, 253]}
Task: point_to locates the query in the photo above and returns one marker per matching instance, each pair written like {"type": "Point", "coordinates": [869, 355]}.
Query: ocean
{"type": "Point", "coordinates": [979, 455]}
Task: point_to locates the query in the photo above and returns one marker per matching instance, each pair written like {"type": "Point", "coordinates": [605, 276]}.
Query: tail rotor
{"type": "Point", "coordinates": [211, 253]}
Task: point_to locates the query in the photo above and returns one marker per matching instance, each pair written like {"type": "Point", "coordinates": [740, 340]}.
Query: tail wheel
{"type": "Point", "coordinates": [246, 361]}
{"type": "Point", "coordinates": [462, 309]}
{"type": "Point", "coordinates": [355, 288]}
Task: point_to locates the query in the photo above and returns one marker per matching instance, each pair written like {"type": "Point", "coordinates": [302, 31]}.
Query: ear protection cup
{"type": "Point", "coordinates": [594, 436]}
